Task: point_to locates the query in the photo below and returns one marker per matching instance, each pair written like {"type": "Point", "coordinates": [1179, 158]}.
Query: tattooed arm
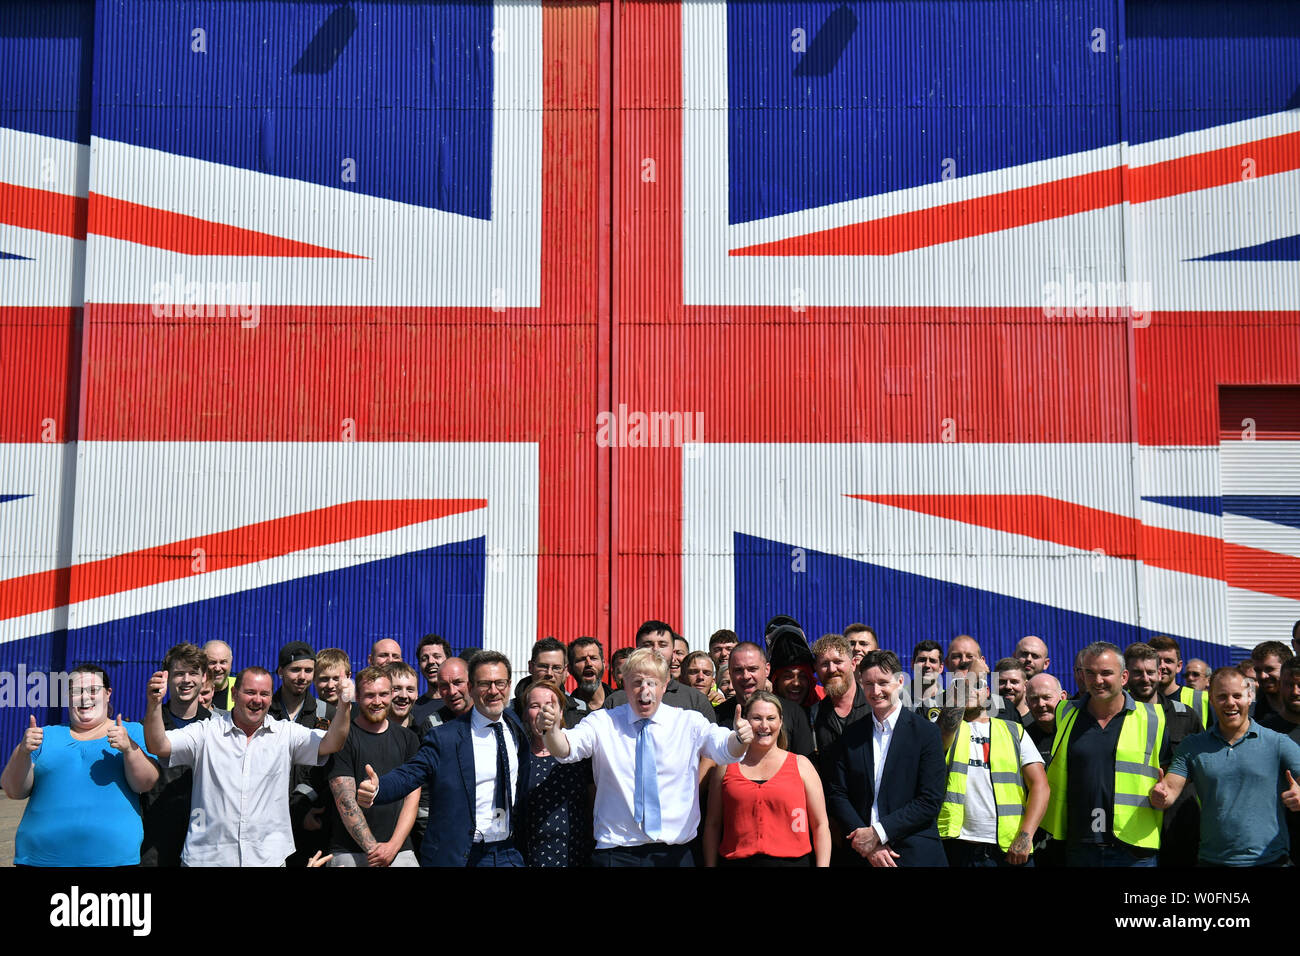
{"type": "Point", "coordinates": [345, 798]}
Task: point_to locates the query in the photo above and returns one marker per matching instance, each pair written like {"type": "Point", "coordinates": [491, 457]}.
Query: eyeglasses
{"type": "Point", "coordinates": [549, 668]}
{"type": "Point", "coordinates": [486, 685]}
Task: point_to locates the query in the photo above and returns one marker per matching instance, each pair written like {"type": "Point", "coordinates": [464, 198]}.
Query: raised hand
{"type": "Point", "coordinates": [366, 789]}
{"type": "Point", "coordinates": [157, 688]}
{"type": "Point", "coordinates": [347, 691]}
{"type": "Point", "coordinates": [118, 738]}
{"type": "Point", "coordinates": [33, 737]}
{"type": "Point", "coordinates": [548, 716]}
{"type": "Point", "coordinates": [744, 729]}
{"type": "Point", "coordinates": [1291, 795]}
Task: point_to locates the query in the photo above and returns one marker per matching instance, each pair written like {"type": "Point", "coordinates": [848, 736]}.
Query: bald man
{"type": "Point", "coordinates": [962, 652]}
{"type": "Point", "coordinates": [219, 657]}
{"type": "Point", "coordinates": [1033, 654]}
{"type": "Point", "coordinates": [1042, 694]}
{"type": "Point", "coordinates": [381, 652]}
{"type": "Point", "coordinates": [1197, 674]}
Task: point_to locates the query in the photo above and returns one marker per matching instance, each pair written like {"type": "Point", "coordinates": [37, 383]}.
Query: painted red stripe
{"type": "Point", "coordinates": [1030, 204]}
{"type": "Point", "coordinates": [223, 549]}
{"type": "Point", "coordinates": [43, 210]}
{"type": "Point", "coordinates": [120, 219]}
{"type": "Point", "coordinates": [1088, 529]}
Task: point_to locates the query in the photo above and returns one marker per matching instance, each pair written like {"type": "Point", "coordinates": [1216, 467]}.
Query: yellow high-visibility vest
{"type": "Point", "coordinates": [1199, 701]}
{"type": "Point", "coordinates": [1004, 771]}
{"type": "Point", "coordinates": [1137, 770]}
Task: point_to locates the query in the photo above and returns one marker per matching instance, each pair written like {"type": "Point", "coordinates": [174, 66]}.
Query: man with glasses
{"type": "Point", "coordinates": [549, 661]}
{"type": "Point", "coordinates": [476, 770]}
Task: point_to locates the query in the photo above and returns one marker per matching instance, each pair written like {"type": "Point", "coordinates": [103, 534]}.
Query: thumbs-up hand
{"type": "Point", "coordinates": [744, 730]}
{"type": "Point", "coordinates": [118, 738]}
{"type": "Point", "coordinates": [33, 737]}
{"type": "Point", "coordinates": [1160, 793]}
{"type": "Point", "coordinates": [347, 691]}
{"type": "Point", "coordinates": [547, 716]}
{"type": "Point", "coordinates": [367, 789]}
{"type": "Point", "coordinates": [1291, 795]}
{"type": "Point", "coordinates": [157, 688]}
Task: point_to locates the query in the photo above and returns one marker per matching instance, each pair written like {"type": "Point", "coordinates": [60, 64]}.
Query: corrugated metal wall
{"type": "Point", "coordinates": [820, 233]}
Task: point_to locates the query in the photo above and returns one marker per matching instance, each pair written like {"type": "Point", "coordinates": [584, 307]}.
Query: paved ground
{"type": "Point", "coordinates": [11, 811]}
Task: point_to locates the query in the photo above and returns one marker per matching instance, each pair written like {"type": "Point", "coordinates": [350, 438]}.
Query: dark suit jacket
{"type": "Point", "coordinates": [911, 789]}
{"type": "Point", "coordinates": [445, 765]}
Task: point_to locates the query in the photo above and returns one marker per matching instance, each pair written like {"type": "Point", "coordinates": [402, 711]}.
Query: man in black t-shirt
{"type": "Point", "coordinates": [379, 836]}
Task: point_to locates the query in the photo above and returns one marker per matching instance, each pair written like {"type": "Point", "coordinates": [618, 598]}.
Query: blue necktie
{"type": "Point", "coordinates": [645, 795]}
{"type": "Point", "coordinates": [501, 796]}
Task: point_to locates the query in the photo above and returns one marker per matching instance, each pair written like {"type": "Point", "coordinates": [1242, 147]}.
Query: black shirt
{"type": "Point", "coordinates": [384, 752]}
{"type": "Point", "coordinates": [828, 725]}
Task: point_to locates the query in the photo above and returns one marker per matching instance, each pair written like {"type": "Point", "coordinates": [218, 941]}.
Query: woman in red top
{"type": "Point", "coordinates": [768, 809]}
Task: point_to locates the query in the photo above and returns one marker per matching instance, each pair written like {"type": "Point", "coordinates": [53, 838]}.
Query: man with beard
{"type": "Point", "coordinates": [378, 836]}
{"type": "Point", "coordinates": [1236, 767]}
{"type": "Point", "coordinates": [476, 770]}
{"type": "Point", "coordinates": [587, 668]}
{"type": "Point", "coordinates": [241, 819]}
{"type": "Point", "coordinates": [1269, 658]}
{"type": "Point", "coordinates": [166, 808]}
{"type": "Point", "coordinates": [1171, 665]}
{"type": "Point", "coordinates": [844, 704]}
{"type": "Point", "coordinates": [997, 788]}
{"type": "Point", "coordinates": [1180, 828]}
{"type": "Point", "coordinates": [749, 672]}
{"type": "Point", "coordinates": [1011, 688]}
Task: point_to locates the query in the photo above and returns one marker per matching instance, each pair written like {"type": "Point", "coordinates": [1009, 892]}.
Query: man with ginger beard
{"type": "Point", "coordinates": [1269, 658]}
{"type": "Point", "coordinates": [379, 836]}
{"type": "Point", "coordinates": [844, 703]}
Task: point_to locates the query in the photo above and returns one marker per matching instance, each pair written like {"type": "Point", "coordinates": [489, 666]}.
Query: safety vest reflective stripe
{"type": "Point", "coordinates": [1199, 701]}
{"type": "Point", "coordinates": [1004, 773]}
{"type": "Point", "coordinates": [1137, 754]}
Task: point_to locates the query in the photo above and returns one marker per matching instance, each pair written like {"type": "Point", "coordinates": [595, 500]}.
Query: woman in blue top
{"type": "Point", "coordinates": [84, 781]}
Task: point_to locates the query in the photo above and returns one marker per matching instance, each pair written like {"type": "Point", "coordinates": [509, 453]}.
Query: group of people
{"type": "Point", "coordinates": [772, 752]}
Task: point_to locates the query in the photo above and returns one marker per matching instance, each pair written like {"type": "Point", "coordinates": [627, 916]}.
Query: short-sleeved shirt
{"type": "Point", "coordinates": [82, 811]}
{"type": "Point", "coordinates": [980, 820]}
{"type": "Point", "coordinates": [241, 788]}
{"type": "Point", "coordinates": [384, 752]}
{"type": "Point", "coordinates": [1243, 821]}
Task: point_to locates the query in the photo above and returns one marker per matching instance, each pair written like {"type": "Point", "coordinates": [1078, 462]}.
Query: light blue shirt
{"type": "Point", "coordinates": [1239, 786]}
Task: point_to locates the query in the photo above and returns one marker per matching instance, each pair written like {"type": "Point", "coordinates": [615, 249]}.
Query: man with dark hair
{"type": "Point", "coordinates": [548, 661]}
{"type": "Point", "coordinates": [616, 661]}
{"type": "Point", "coordinates": [1269, 657]}
{"type": "Point", "coordinates": [886, 783]}
{"type": "Point", "coordinates": [750, 671]}
{"type": "Point", "coordinates": [658, 636]}
{"type": "Point", "coordinates": [379, 836]}
{"type": "Point", "coordinates": [1236, 767]}
{"type": "Point", "coordinates": [241, 818]}
{"type": "Point", "coordinates": [1011, 688]}
{"type": "Point", "coordinates": [430, 653]}
{"type": "Point", "coordinates": [1180, 828]}
{"type": "Point", "coordinates": [721, 643]}
{"type": "Point", "coordinates": [1171, 665]}
{"type": "Point", "coordinates": [681, 647]}
{"type": "Point", "coordinates": [926, 694]}
{"type": "Point", "coordinates": [476, 770]}
{"type": "Point", "coordinates": [1286, 720]}
{"type": "Point", "coordinates": [1108, 754]}
{"type": "Point", "coordinates": [166, 808]}
{"type": "Point", "coordinates": [1295, 637]}
{"type": "Point", "coordinates": [587, 668]}
{"type": "Point", "coordinates": [308, 788]}
{"type": "Point", "coordinates": [862, 638]}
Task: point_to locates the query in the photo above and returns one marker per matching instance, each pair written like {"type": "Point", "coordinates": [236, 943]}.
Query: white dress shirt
{"type": "Point", "coordinates": [240, 802]}
{"type": "Point", "coordinates": [882, 735]}
{"type": "Point", "coordinates": [680, 738]}
{"type": "Point", "coordinates": [490, 825]}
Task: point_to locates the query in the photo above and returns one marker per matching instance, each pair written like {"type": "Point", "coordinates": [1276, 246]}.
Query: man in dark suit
{"type": "Point", "coordinates": [887, 775]}
{"type": "Point", "coordinates": [476, 770]}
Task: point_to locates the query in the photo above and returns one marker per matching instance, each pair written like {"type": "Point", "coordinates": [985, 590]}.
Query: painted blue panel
{"type": "Point", "coordinates": [1196, 64]}
{"type": "Point", "coordinates": [45, 73]}
{"type": "Point", "coordinates": [14, 255]}
{"type": "Point", "coordinates": [906, 608]}
{"type": "Point", "coordinates": [1208, 504]}
{"type": "Point", "coordinates": [886, 92]}
{"type": "Point", "coordinates": [4, 498]}
{"type": "Point", "coordinates": [295, 89]}
{"type": "Point", "coordinates": [1286, 249]}
{"type": "Point", "coordinates": [402, 597]}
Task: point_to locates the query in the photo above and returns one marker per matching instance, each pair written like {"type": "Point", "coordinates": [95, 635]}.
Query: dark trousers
{"type": "Point", "coordinates": [500, 853]}
{"type": "Point", "coordinates": [962, 853]}
{"type": "Point", "coordinates": [1106, 854]}
{"type": "Point", "coordinates": [650, 854]}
